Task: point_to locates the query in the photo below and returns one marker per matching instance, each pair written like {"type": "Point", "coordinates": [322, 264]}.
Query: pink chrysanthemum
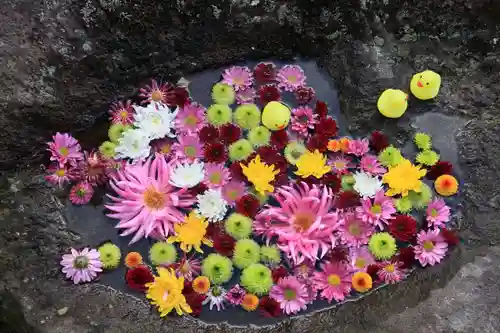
{"type": "Point", "coordinates": [370, 164]}
{"type": "Point", "coordinates": [188, 147]}
{"type": "Point", "coordinates": [246, 95]}
{"type": "Point", "coordinates": [341, 164]}
{"type": "Point", "coordinates": [358, 147]}
{"type": "Point", "coordinates": [303, 120]}
{"type": "Point", "coordinates": [81, 266]}
{"type": "Point", "coordinates": [60, 175]}
{"type": "Point", "coordinates": [302, 221]}
{"type": "Point", "coordinates": [304, 270]}
{"type": "Point", "coordinates": [122, 113]}
{"type": "Point", "coordinates": [93, 168]}
{"type": "Point", "coordinates": [390, 272]}
{"type": "Point", "coordinates": [216, 175]}
{"type": "Point", "coordinates": [65, 149]}
{"type": "Point", "coordinates": [360, 258]}
{"type": "Point", "coordinates": [354, 231]}
{"type": "Point", "coordinates": [145, 201]}
{"type": "Point", "coordinates": [232, 191]}
{"type": "Point", "coordinates": [81, 193]}
{"type": "Point", "coordinates": [378, 212]}
{"type": "Point", "coordinates": [163, 147]}
{"type": "Point", "coordinates": [334, 281]}
{"type": "Point", "coordinates": [291, 294]}
{"type": "Point", "coordinates": [291, 77]}
{"type": "Point", "coordinates": [188, 268]}
{"type": "Point", "coordinates": [239, 77]}
{"type": "Point", "coordinates": [431, 247]}
{"type": "Point", "coordinates": [438, 213]}
{"type": "Point", "coordinates": [190, 119]}
{"type": "Point", "coordinates": [235, 295]}
{"type": "Point", "coordinates": [158, 92]}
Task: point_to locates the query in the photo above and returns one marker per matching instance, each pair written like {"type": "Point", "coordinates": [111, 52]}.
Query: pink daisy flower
{"type": "Point", "coordinates": [65, 149]}
{"type": "Point", "coordinates": [163, 146]}
{"type": "Point", "coordinates": [304, 270]}
{"type": "Point", "coordinates": [81, 193]}
{"type": "Point", "coordinates": [354, 232]}
{"type": "Point", "coordinates": [361, 258]}
{"type": "Point", "coordinates": [162, 92]}
{"type": "Point", "coordinates": [341, 164]}
{"type": "Point", "coordinates": [60, 175]}
{"type": "Point", "coordinates": [389, 272]}
{"type": "Point", "coordinates": [216, 175]}
{"type": "Point", "coordinates": [438, 213]}
{"type": "Point", "coordinates": [122, 113]}
{"type": "Point", "coordinates": [431, 247]}
{"type": "Point", "coordinates": [239, 77]}
{"type": "Point", "coordinates": [291, 294]}
{"type": "Point", "coordinates": [145, 201]}
{"type": "Point", "coordinates": [291, 77]}
{"type": "Point", "coordinates": [235, 295]}
{"type": "Point", "coordinates": [246, 95]}
{"type": "Point", "coordinates": [81, 266]}
{"type": "Point", "coordinates": [188, 148]}
{"type": "Point", "coordinates": [232, 191]}
{"type": "Point", "coordinates": [262, 227]}
{"type": "Point", "coordinates": [188, 268]}
{"type": "Point", "coordinates": [370, 164]}
{"type": "Point", "coordinates": [358, 147]}
{"type": "Point", "coordinates": [93, 168]}
{"type": "Point", "coordinates": [378, 212]}
{"type": "Point", "coordinates": [303, 120]}
{"type": "Point", "coordinates": [190, 119]}
{"type": "Point", "coordinates": [334, 281]}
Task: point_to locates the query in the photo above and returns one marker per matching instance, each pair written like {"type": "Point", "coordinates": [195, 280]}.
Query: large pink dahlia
{"type": "Point", "coordinates": [302, 222]}
{"type": "Point", "coordinates": [146, 203]}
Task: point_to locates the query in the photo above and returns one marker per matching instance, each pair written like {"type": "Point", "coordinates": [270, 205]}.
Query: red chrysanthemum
{"type": "Point", "coordinates": [209, 134]}
{"type": "Point", "coordinates": [268, 307]}
{"type": "Point", "coordinates": [229, 133]}
{"type": "Point", "coordinates": [265, 72]}
{"type": "Point", "coordinates": [450, 236]}
{"type": "Point", "coordinates": [347, 199]}
{"type": "Point", "coordinates": [248, 205]}
{"type": "Point", "coordinates": [193, 299]}
{"type": "Point", "coordinates": [281, 179]}
{"type": "Point", "coordinates": [269, 93]}
{"type": "Point", "coordinates": [405, 257]}
{"type": "Point", "coordinates": [321, 109]}
{"type": "Point", "coordinates": [181, 96]}
{"type": "Point", "coordinates": [317, 142]}
{"type": "Point", "coordinates": [198, 189]}
{"type": "Point", "coordinates": [338, 254]}
{"type": "Point", "coordinates": [439, 169]}
{"type": "Point", "coordinates": [279, 273]}
{"type": "Point", "coordinates": [214, 229]}
{"type": "Point", "coordinates": [372, 270]}
{"type": "Point", "coordinates": [333, 181]}
{"type": "Point", "coordinates": [378, 141]}
{"type": "Point", "coordinates": [304, 95]}
{"type": "Point", "coordinates": [215, 152]}
{"type": "Point", "coordinates": [279, 139]}
{"type": "Point", "coordinates": [224, 244]}
{"type": "Point", "coordinates": [327, 127]}
{"type": "Point", "coordinates": [136, 278]}
{"type": "Point", "coordinates": [268, 154]}
{"type": "Point", "coordinates": [236, 171]}
{"type": "Point", "coordinates": [403, 227]}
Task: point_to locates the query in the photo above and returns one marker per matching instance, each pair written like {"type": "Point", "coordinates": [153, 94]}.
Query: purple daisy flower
{"type": "Point", "coordinates": [438, 213]}
{"type": "Point", "coordinates": [232, 191]}
{"type": "Point", "coordinates": [354, 232]}
{"type": "Point", "coordinates": [291, 77]}
{"type": "Point", "coordinates": [291, 294]}
{"type": "Point", "coordinates": [216, 175]}
{"type": "Point", "coordinates": [81, 266]}
{"type": "Point", "coordinates": [239, 77]}
{"type": "Point", "coordinates": [303, 120]}
{"type": "Point", "coordinates": [188, 148]}
{"type": "Point", "coordinates": [190, 119]}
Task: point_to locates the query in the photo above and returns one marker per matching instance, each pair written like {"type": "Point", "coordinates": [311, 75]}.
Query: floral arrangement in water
{"type": "Point", "coordinates": [243, 215]}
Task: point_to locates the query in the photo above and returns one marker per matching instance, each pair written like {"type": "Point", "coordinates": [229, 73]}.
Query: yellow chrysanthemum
{"type": "Point", "coordinates": [312, 164]}
{"type": "Point", "coordinates": [166, 293]}
{"type": "Point", "coordinates": [403, 177]}
{"type": "Point", "coordinates": [191, 233]}
{"type": "Point", "coordinates": [260, 175]}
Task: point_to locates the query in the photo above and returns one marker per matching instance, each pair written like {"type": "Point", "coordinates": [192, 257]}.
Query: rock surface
{"type": "Point", "coordinates": [62, 61]}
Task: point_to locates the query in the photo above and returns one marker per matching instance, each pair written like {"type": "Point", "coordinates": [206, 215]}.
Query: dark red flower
{"type": "Point", "coordinates": [304, 95]}
{"type": "Point", "coordinates": [439, 169]}
{"type": "Point", "coordinates": [347, 199]}
{"type": "Point", "coordinates": [450, 236]}
{"type": "Point", "coordinates": [198, 189]}
{"type": "Point", "coordinates": [215, 152]}
{"type": "Point", "coordinates": [208, 134]}
{"type": "Point", "coordinates": [403, 227]}
{"type": "Point", "coordinates": [213, 230]}
{"type": "Point", "coordinates": [279, 139]}
{"type": "Point", "coordinates": [248, 205]}
{"type": "Point", "coordinates": [372, 270]}
{"type": "Point", "coordinates": [93, 168]}
{"type": "Point", "coordinates": [405, 257]}
{"type": "Point", "coordinates": [321, 109]}
{"type": "Point", "coordinates": [268, 154]}
{"type": "Point", "coordinates": [281, 179]}
{"type": "Point", "coordinates": [195, 302]}
{"type": "Point", "coordinates": [236, 171]}
{"type": "Point", "coordinates": [378, 141]}
{"type": "Point", "coordinates": [269, 93]}
{"type": "Point", "coordinates": [265, 72]}
{"type": "Point", "coordinates": [311, 180]}
{"type": "Point", "coordinates": [317, 142]}
{"type": "Point", "coordinates": [326, 127]}
{"type": "Point", "coordinates": [229, 133]}
{"type": "Point", "coordinates": [333, 181]}
{"type": "Point", "coordinates": [181, 96]}
{"type": "Point", "coordinates": [224, 244]}
{"type": "Point", "coordinates": [279, 273]}
{"type": "Point", "coordinates": [136, 278]}
{"type": "Point", "coordinates": [268, 307]}
{"type": "Point", "coordinates": [338, 254]}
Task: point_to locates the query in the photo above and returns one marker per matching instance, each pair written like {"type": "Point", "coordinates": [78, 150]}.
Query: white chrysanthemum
{"type": "Point", "coordinates": [186, 175]}
{"type": "Point", "coordinates": [216, 296]}
{"type": "Point", "coordinates": [366, 185]}
{"type": "Point", "coordinates": [155, 119]}
{"type": "Point", "coordinates": [133, 144]}
{"type": "Point", "coordinates": [212, 205]}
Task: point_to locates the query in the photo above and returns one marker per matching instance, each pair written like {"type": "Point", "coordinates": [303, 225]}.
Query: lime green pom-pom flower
{"type": "Point", "coordinates": [217, 268]}
{"type": "Point", "coordinates": [347, 182]}
{"type": "Point", "coordinates": [223, 94]}
{"type": "Point", "coordinates": [259, 136]}
{"type": "Point", "coordinates": [257, 279]}
{"type": "Point", "coordinates": [238, 226]}
{"type": "Point", "coordinates": [421, 199]}
{"type": "Point", "coordinates": [247, 116]}
{"type": "Point", "coordinates": [403, 205]}
{"type": "Point", "coordinates": [390, 156]}
{"type": "Point", "coordinates": [423, 141]}
{"type": "Point", "coordinates": [382, 245]}
{"type": "Point", "coordinates": [110, 255]}
{"type": "Point", "coordinates": [219, 114]}
{"type": "Point", "coordinates": [240, 150]}
{"type": "Point", "coordinates": [162, 253]}
{"type": "Point", "coordinates": [107, 149]}
{"type": "Point", "coordinates": [427, 157]}
{"type": "Point", "coordinates": [293, 151]}
{"type": "Point", "coordinates": [246, 252]}
{"type": "Point", "coordinates": [270, 255]}
{"type": "Point", "coordinates": [116, 131]}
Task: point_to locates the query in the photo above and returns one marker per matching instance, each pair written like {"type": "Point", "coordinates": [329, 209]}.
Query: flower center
{"type": "Point", "coordinates": [216, 291]}
{"type": "Point", "coordinates": [156, 96]}
{"type": "Point", "coordinates": [185, 268]}
{"type": "Point", "coordinates": [428, 246]}
{"type": "Point", "coordinates": [434, 212]}
{"type": "Point", "coordinates": [333, 279]}
{"type": "Point", "coordinates": [64, 151]}
{"type": "Point", "coordinates": [339, 165]}
{"type": "Point", "coordinates": [233, 195]}
{"type": "Point", "coordinates": [81, 192]}
{"type": "Point", "coordinates": [154, 199]}
{"type": "Point", "coordinates": [303, 221]}
{"type": "Point", "coordinates": [296, 154]}
{"type": "Point", "coordinates": [190, 151]}
{"type": "Point", "coordinates": [124, 115]}
{"type": "Point", "coordinates": [216, 178]}
{"type": "Point", "coordinates": [156, 119]}
{"type": "Point", "coordinates": [304, 119]}
{"type": "Point", "coordinates": [389, 268]}
{"type": "Point", "coordinates": [238, 81]}
{"type": "Point", "coordinates": [376, 209]}
{"type": "Point", "coordinates": [360, 263]}
{"type": "Point", "coordinates": [292, 78]}
{"type": "Point", "coordinates": [355, 229]}
{"type": "Point", "coordinates": [165, 148]}
{"type": "Point", "coordinates": [290, 294]}
{"type": "Point", "coordinates": [60, 172]}
{"type": "Point", "coordinates": [191, 120]}
{"type": "Point", "coordinates": [165, 295]}
{"type": "Point", "coordinates": [361, 282]}
{"type": "Point", "coordinates": [81, 262]}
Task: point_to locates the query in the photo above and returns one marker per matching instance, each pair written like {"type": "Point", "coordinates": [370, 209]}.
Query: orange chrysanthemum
{"type": "Point", "coordinates": [446, 185]}
{"type": "Point", "coordinates": [337, 145]}
{"type": "Point", "coordinates": [250, 302]}
{"type": "Point", "coordinates": [133, 259]}
{"type": "Point", "coordinates": [201, 285]}
{"type": "Point", "coordinates": [362, 282]}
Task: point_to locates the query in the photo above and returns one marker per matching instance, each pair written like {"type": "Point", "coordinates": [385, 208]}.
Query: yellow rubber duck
{"type": "Point", "coordinates": [392, 103]}
{"type": "Point", "coordinates": [425, 85]}
{"type": "Point", "coordinates": [276, 116]}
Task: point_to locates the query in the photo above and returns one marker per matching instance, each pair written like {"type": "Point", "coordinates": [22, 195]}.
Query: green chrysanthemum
{"type": "Point", "coordinates": [247, 116]}
{"type": "Point", "coordinates": [390, 156]}
{"type": "Point", "coordinates": [162, 253]}
{"type": "Point", "coordinates": [270, 255]}
{"type": "Point", "coordinates": [238, 226]}
{"type": "Point", "coordinates": [423, 141]}
{"type": "Point", "coordinates": [246, 252]}
{"type": "Point", "coordinates": [240, 150]}
{"type": "Point", "coordinates": [257, 279]}
{"type": "Point", "coordinates": [259, 136]}
{"type": "Point", "coordinates": [293, 151]}
{"type": "Point", "coordinates": [110, 255]}
{"type": "Point", "coordinates": [107, 149]}
{"type": "Point", "coordinates": [382, 245]}
{"type": "Point", "coordinates": [219, 114]}
{"type": "Point", "coordinates": [421, 199]}
{"type": "Point", "coordinates": [116, 131]}
{"type": "Point", "coordinates": [217, 268]}
{"type": "Point", "coordinates": [427, 157]}
{"type": "Point", "coordinates": [347, 182]}
{"type": "Point", "coordinates": [403, 205]}
{"type": "Point", "coordinates": [223, 94]}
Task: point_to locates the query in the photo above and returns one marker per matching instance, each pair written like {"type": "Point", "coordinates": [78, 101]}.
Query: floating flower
{"type": "Point", "coordinates": [304, 95]}
{"type": "Point", "coordinates": [278, 273]}
{"type": "Point", "coordinates": [382, 245]}
{"type": "Point", "coordinates": [334, 281]}
{"type": "Point", "coordinates": [439, 169]}
{"type": "Point", "coordinates": [134, 144]}
{"type": "Point", "coordinates": [65, 149]}
{"type": "Point", "coordinates": [423, 141]}
{"type": "Point", "coordinates": [257, 279]}
{"type": "Point", "coordinates": [224, 244]}
{"type": "Point", "coordinates": [304, 270]}
{"type": "Point", "coordinates": [317, 142]}
{"type": "Point", "coordinates": [269, 93]}
{"type": "Point", "coordinates": [190, 118]}
{"type": "Point", "coordinates": [406, 257]}
{"type": "Point", "coordinates": [188, 147]}
{"type": "Point", "coordinates": [212, 205]}
{"type": "Point", "coordinates": [362, 282]}
{"type": "Point", "coordinates": [378, 212]}
{"type": "Point", "coordinates": [270, 255]}
{"type": "Point", "coordinates": [431, 247]}
{"type": "Point", "coordinates": [239, 77]}
{"type": "Point", "coordinates": [219, 114]}
{"type": "Point", "coordinates": [121, 113]}
{"type": "Point", "coordinates": [191, 233]}
{"type": "Point", "coordinates": [137, 278]}
{"type": "Point", "coordinates": [250, 302]}
{"type": "Point", "coordinates": [354, 232]}
{"type": "Point", "coordinates": [326, 126]}
{"type": "Point", "coordinates": [291, 77]}
{"type": "Point", "coordinates": [195, 302]}
{"type": "Point", "coordinates": [332, 181]}
{"type": "Point", "coordinates": [366, 185]}
{"type": "Point", "coordinates": [403, 204]}
{"type": "Point", "coordinates": [321, 109]}
{"type": "Point", "coordinates": [370, 164]}
{"type": "Point", "coordinates": [187, 175]}
{"type": "Point", "coordinates": [259, 136]}
{"type": "Point", "coordinates": [303, 120]}
{"type": "Point", "coordinates": [209, 134]}
{"type": "Point", "coordinates": [166, 293]}
{"type": "Point", "coordinates": [240, 150]}
{"type": "Point", "coordinates": [390, 273]}
{"type": "Point", "coordinates": [201, 285]}
{"type": "Point", "coordinates": [60, 175]}
{"type": "Point", "coordinates": [269, 308]}
{"type": "Point", "coordinates": [341, 164]}
{"type": "Point", "coordinates": [187, 267]}
{"type": "Point", "coordinates": [246, 253]}
{"type": "Point", "coordinates": [378, 141]}
{"type": "Point", "coordinates": [158, 92]}
{"type": "Point", "coordinates": [223, 93]}
{"type": "Point", "coordinates": [81, 266]}
{"type": "Point", "coordinates": [154, 120]}
{"type": "Point", "coordinates": [312, 164]}
{"type": "Point", "coordinates": [248, 205]}
{"type": "Point", "coordinates": [110, 255]}
{"type": "Point", "coordinates": [427, 157]}
{"type": "Point", "coordinates": [260, 175]}
{"type": "Point", "coordinates": [107, 149]}
{"type": "Point", "coordinates": [229, 133]}
{"type": "Point", "coordinates": [216, 175]}
{"type": "Point", "coordinates": [215, 152]}
{"type": "Point", "coordinates": [216, 297]}
{"type": "Point", "coordinates": [133, 259]}
{"type": "Point", "coordinates": [232, 191]}
{"type": "Point", "coordinates": [238, 226]}
{"type": "Point", "coordinates": [403, 227]}
{"type": "Point", "coordinates": [446, 185]}
{"type": "Point", "coordinates": [347, 199]}
{"type": "Point", "coordinates": [450, 236]}
{"type": "Point", "coordinates": [162, 146]}
{"type": "Point", "coordinates": [246, 95]}
{"type": "Point", "coordinates": [93, 168]}
{"type": "Point", "coordinates": [360, 258]}
{"type": "Point", "coordinates": [279, 139]}
{"type": "Point", "coordinates": [402, 178]}
{"type": "Point", "coordinates": [293, 151]}
{"type": "Point", "coordinates": [438, 213]}
{"type": "Point", "coordinates": [265, 72]}
{"type": "Point", "coordinates": [235, 295]}
{"type": "Point", "coordinates": [291, 294]}
{"type": "Point", "coordinates": [162, 253]}
{"type": "Point", "coordinates": [358, 147]}
{"type": "Point", "coordinates": [390, 157]}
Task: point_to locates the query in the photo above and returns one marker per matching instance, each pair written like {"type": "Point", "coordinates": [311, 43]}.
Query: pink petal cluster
{"type": "Point", "coordinates": [187, 148]}
{"type": "Point", "coordinates": [239, 77]}
{"type": "Point", "coordinates": [162, 92]}
{"type": "Point", "coordinates": [431, 247]}
{"type": "Point", "coordinates": [216, 175]}
{"type": "Point", "coordinates": [303, 120]}
{"type": "Point", "coordinates": [291, 294]}
{"type": "Point", "coordinates": [359, 147]}
{"type": "Point", "coordinates": [246, 95]}
{"type": "Point", "coordinates": [235, 295]}
{"type": "Point", "coordinates": [360, 258]}
{"type": "Point", "coordinates": [291, 77]}
{"type": "Point", "coordinates": [232, 191]}
{"type": "Point", "coordinates": [389, 272]}
{"type": "Point", "coordinates": [341, 164]}
{"type": "Point", "coordinates": [190, 119]}
{"type": "Point", "coordinates": [81, 266]}
{"type": "Point", "coordinates": [354, 231]}
{"type": "Point", "coordinates": [60, 175]}
{"type": "Point", "coordinates": [378, 212]}
{"type": "Point", "coordinates": [65, 150]}
{"type": "Point", "coordinates": [438, 213]}
{"type": "Point", "coordinates": [81, 193]}
{"type": "Point", "coordinates": [122, 113]}
{"type": "Point", "coordinates": [334, 281]}
{"type": "Point", "coordinates": [370, 164]}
